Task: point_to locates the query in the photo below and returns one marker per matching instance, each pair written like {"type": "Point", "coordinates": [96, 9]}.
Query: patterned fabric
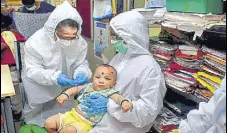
{"type": "Point", "coordinates": [28, 24]}
{"type": "Point", "coordinates": [165, 118]}
{"type": "Point", "coordinates": [210, 82]}
{"type": "Point", "coordinates": [219, 54]}
{"type": "Point", "coordinates": [7, 56]}
{"type": "Point", "coordinates": [9, 38]}
{"type": "Point", "coordinates": [89, 92]}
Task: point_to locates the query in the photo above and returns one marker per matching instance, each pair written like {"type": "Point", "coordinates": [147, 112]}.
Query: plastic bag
{"type": "Point", "coordinates": [102, 10]}
{"type": "Point", "coordinates": [155, 3]}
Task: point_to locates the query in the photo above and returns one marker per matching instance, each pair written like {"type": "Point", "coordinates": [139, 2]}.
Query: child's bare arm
{"type": "Point", "coordinates": [74, 90]}
{"type": "Point", "coordinates": [125, 104]}
{"type": "Point", "coordinates": [69, 93]}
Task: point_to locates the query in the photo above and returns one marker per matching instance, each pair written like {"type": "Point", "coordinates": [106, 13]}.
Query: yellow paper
{"type": "Point", "coordinates": [7, 88]}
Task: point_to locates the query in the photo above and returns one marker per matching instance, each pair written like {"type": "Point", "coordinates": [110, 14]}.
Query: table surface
{"type": "Point", "coordinates": [7, 88]}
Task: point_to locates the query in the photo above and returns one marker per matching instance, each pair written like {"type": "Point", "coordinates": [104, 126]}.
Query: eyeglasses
{"type": "Point", "coordinates": [67, 37]}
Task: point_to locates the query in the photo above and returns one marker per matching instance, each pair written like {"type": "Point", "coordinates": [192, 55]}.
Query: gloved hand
{"type": "Point", "coordinates": [64, 80]}
{"type": "Point", "coordinates": [96, 104]}
{"type": "Point", "coordinates": [80, 79]}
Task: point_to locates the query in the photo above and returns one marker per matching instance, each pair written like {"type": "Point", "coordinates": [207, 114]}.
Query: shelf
{"type": "Point", "coordinates": [188, 96]}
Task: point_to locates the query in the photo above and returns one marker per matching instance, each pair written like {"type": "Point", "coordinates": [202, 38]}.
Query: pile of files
{"type": "Point", "coordinates": [166, 121]}
{"type": "Point", "coordinates": [162, 52]}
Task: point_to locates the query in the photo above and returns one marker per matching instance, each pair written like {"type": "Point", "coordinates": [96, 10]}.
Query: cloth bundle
{"type": "Point", "coordinates": [188, 56]}
{"type": "Point", "coordinates": [166, 121]}
{"type": "Point", "coordinates": [211, 73]}
{"type": "Point", "coordinates": [162, 52]}
{"type": "Point", "coordinates": [215, 37]}
{"type": "Point", "coordinates": [210, 82]}
{"type": "Point", "coordinates": [179, 79]}
{"type": "Point", "coordinates": [214, 62]}
{"type": "Point", "coordinates": [179, 107]}
{"type": "Point", "coordinates": [182, 67]}
{"type": "Point", "coordinates": [188, 68]}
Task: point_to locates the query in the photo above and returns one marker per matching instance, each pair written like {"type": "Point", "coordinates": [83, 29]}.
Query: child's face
{"type": "Point", "coordinates": [104, 78]}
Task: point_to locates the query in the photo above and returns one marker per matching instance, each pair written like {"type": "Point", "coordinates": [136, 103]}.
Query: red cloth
{"type": "Point", "coordinates": [7, 56]}
{"type": "Point", "coordinates": [173, 66]}
{"type": "Point", "coordinates": [179, 54]}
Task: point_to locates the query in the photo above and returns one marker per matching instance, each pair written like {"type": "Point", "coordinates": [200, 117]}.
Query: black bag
{"type": "Point", "coordinates": [214, 37]}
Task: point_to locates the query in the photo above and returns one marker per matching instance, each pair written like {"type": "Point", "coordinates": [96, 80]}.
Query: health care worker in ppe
{"type": "Point", "coordinates": [210, 117]}
{"type": "Point", "coordinates": [54, 56]}
{"type": "Point", "coordinates": [139, 77]}
{"type": "Point", "coordinates": [35, 6]}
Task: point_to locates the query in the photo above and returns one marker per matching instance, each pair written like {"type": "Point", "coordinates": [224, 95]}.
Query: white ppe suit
{"type": "Point", "coordinates": [139, 79]}
{"type": "Point", "coordinates": [211, 116]}
{"type": "Point", "coordinates": [45, 60]}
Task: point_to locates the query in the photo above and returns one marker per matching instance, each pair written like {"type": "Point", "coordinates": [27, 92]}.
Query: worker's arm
{"type": "Point", "coordinates": [210, 117]}
{"type": "Point", "coordinates": [147, 107]}
{"type": "Point", "coordinates": [81, 64]}
{"type": "Point", "coordinates": [36, 71]}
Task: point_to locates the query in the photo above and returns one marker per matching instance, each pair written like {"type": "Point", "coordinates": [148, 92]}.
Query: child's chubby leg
{"type": "Point", "coordinates": [52, 124]}
{"type": "Point", "coordinates": [68, 129]}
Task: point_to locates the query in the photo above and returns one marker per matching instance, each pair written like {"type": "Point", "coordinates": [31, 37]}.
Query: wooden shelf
{"type": "Point", "coordinates": [188, 96]}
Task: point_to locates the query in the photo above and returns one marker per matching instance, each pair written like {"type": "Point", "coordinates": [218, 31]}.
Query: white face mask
{"type": "Point", "coordinates": [33, 8]}
{"type": "Point", "coordinates": [63, 43]}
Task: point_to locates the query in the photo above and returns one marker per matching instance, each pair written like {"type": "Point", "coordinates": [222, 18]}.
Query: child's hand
{"type": "Point", "coordinates": [61, 99]}
{"type": "Point", "coordinates": [126, 106]}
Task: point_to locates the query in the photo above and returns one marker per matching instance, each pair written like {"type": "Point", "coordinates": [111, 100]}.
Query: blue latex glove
{"type": "Point", "coordinates": [96, 104]}
{"type": "Point", "coordinates": [80, 79]}
{"type": "Point", "coordinates": [64, 80]}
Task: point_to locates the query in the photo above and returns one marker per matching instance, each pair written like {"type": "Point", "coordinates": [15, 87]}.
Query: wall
{"type": "Point", "coordinates": [139, 3]}
{"type": "Point", "coordinates": [94, 61]}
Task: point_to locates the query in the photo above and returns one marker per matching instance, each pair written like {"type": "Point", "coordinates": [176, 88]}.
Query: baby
{"type": "Point", "coordinates": [93, 99]}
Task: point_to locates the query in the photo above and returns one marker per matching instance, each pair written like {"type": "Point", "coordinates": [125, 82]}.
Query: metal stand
{"type": "Point", "coordinates": [9, 126]}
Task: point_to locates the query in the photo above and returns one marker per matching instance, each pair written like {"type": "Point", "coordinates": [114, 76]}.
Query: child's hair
{"type": "Point", "coordinates": [106, 65]}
